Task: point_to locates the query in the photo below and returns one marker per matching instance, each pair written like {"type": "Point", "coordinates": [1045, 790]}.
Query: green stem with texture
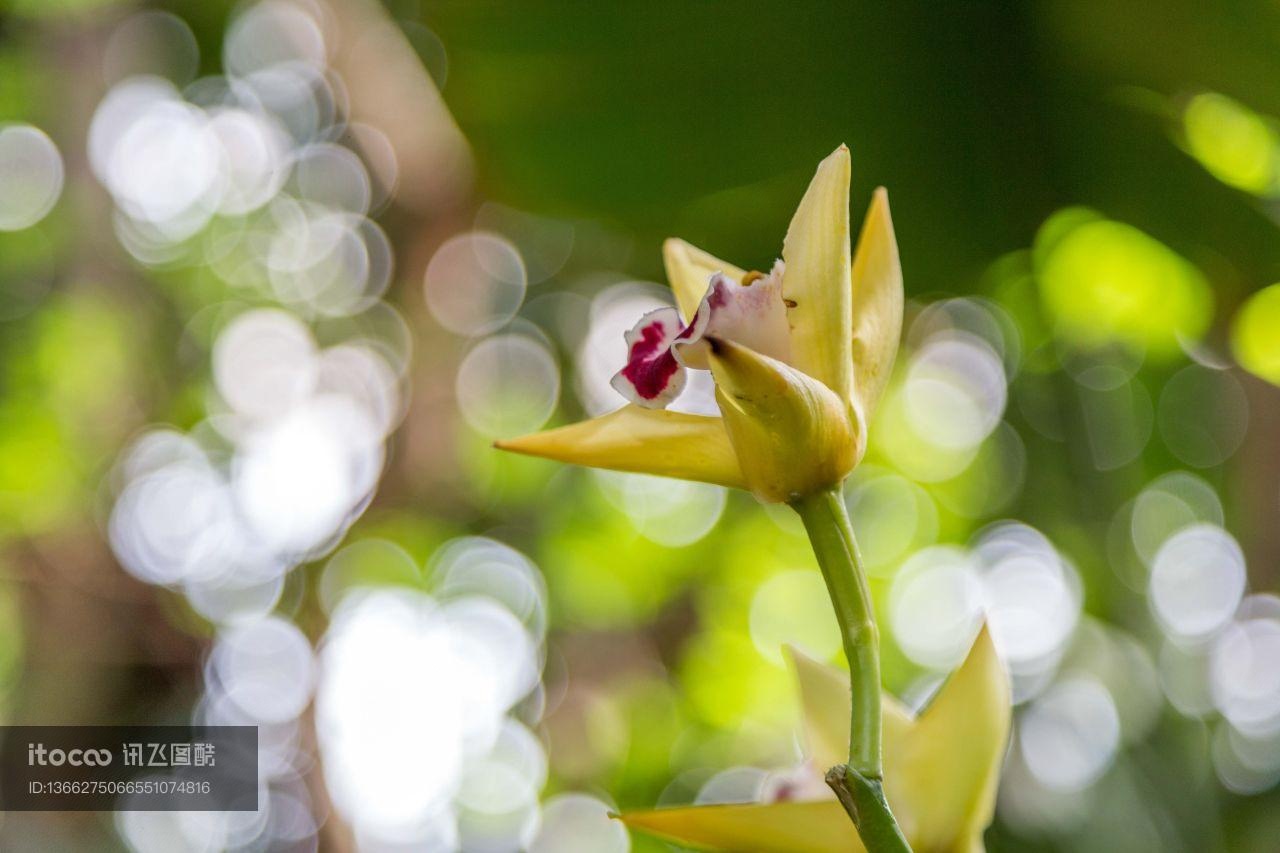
{"type": "Point", "coordinates": [858, 784]}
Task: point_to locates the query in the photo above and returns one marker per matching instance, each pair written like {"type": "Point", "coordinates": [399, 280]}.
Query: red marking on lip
{"type": "Point", "coordinates": [717, 298]}
{"type": "Point", "coordinates": [687, 331]}
{"type": "Point", "coordinates": [650, 365]}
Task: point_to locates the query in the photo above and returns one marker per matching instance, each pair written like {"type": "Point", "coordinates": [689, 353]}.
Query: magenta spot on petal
{"type": "Point", "coordinates": [717, 298]}
{"type": "Point", "coordinates": [650, 365]}
{"type": "Point", "coordinates": [650, 341]}
{"type": "Point", "coordinates": [650, 378]}
{"type": "Point", "coordinates": [785, 793]}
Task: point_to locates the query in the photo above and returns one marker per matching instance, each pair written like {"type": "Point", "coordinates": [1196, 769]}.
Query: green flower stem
{"type": "Point", "coordinates": [859, 784]}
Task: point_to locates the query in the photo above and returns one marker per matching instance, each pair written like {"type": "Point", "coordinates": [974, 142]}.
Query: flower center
{"type": "Point", "coordinates": [660, 347]}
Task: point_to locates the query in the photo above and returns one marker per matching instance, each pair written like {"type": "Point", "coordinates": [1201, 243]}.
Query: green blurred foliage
{"type": "Point", "coordinates": [65, 410]}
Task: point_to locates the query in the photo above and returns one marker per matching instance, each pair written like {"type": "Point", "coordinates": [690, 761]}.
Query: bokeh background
{"type": "Point", "coordinates": [274, 275]}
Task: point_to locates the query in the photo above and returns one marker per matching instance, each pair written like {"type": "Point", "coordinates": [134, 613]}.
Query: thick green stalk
{"type": "Point", "coordinates": [859, 784]}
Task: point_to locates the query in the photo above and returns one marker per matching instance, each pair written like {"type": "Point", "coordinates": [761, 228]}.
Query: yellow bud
{"type": "Point", "coordinates": [793, 435]}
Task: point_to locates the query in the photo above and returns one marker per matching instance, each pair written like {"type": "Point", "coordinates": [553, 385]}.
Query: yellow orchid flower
{"type": "Point", "coordinates": [799, 356]}
{"type": "Point", "coordinates": [941, 769]}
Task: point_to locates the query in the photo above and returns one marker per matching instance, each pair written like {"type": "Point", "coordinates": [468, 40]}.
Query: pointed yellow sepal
{"type": "Point", "coordinates": [689, 269]}
{"type": "Point", "coordinates": [816, 280]}
{"type": "Point", "coordinates": [820, 826]}
{"type": "Point", "coordinates": [644, 441]}
{"type": "Point", "coordinates": [877, 304]}
{"type": "Point", "coordinates": [947, 775]}
{"type": "Point", "coordinates": [941, 770]}
{"type": "Point", "coordinates": [793, 436]}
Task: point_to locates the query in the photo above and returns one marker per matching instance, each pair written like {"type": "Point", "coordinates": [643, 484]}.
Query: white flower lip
{"type": "Point", "coordinates": [750, 312]}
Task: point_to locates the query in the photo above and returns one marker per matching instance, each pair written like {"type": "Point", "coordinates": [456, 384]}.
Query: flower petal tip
{"type": "Point", "coordinates": [525, 445]}
{"type": "Point", "coordinates": [646, 441]}
{"type": "Point", "coordinates": [983, 637]}
{"type": "Point", "coordinates": [673, 245]}
{"type": "Point", "coordinates": [877, 303]}
{"type": "Point", "coordinates": [815, 282]}
{"type": "Point", "coordinates": [840, 154]}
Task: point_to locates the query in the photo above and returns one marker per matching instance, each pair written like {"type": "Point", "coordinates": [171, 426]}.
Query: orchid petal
{"type": "Point", "coordinates": [646, 441]}
{"type": "Point", "coordinates": [942, 767]}
{"type": "Point", "coordinates": [689, 269]}
{"type": "Point", "coordinates": [820, 826]}
{"type": "Point", "coordinates": [817, 276]}
{"type": "Point", "coordinates": [946, 778]}
{"type": "Point", "coordinates": [652, 377]}
{"type": "Point", "coordinates": [877, 304]}
{"type": "Point", "coordinates": [792, 434]}
{"type": "Point", "coordinates": [659, 347]}
{"type": "Point", "coordinates": [748, 312]}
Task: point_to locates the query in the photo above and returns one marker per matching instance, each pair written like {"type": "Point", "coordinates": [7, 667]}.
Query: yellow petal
{"type": "Point", "coordinates": [793, 436]}
{"type": "Point", "coordinates": [689, 269]}
{"type": "Point", "coordinates": [877, 304]}
{"type": "Point", "coordinates": [816, 280]}
{"type": "Point", "coordinates": [825, 703]}
{"type": "Point", "coordinates": [793, 827]}
{"type": "Point", "coordinates": [940, 769]}
{"type": "Point", "coordinates": [646, 441]}
{"type": "Point", "coordinates": [946, 776]}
